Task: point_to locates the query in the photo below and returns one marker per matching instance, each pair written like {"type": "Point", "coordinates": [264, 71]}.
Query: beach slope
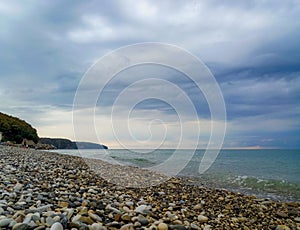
{"type": "Point", "coordinates": [40, 190]}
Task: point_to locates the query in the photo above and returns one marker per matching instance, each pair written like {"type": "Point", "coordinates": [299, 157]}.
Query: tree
{"type": "Point", "coordinates": [15, 129]}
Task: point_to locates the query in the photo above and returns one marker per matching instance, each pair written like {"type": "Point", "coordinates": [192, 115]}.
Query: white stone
{"type": "Point", "coordinates": [57, 226]}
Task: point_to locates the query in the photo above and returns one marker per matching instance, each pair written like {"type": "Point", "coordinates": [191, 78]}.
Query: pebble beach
{"type": "Point", "coordinates": [46, 190]}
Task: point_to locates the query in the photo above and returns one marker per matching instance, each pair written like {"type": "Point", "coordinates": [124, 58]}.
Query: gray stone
{"type": "Point", "coordinates": [20, 226]}
{"type": "Point", "coordinates": [5, 222]}
{"type": "Point", "coordinates": [178, 227]}
{"type": "Point", "coordinates": [50, 221]}
{"type": "Point", "coordinates": [297, 219]}
{"type": "Point", "coordinates": [57, 226]}
{"type": "Point", "coordinates": [95, 226]}
{"type": "Point", "coordinates": [129, 203]}
{"type": "Point", "coordinates": [143, 220]}
{"type": "Point", "coordinates": [141, 209]}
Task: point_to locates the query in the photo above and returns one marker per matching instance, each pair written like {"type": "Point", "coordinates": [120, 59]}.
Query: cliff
{"type": "Point", "coordinates": [61, 143]}
{"type": "Point", "coordinates": [15, 130]}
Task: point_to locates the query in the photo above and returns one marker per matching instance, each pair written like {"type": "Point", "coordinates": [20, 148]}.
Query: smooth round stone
{"type": "Point", "coordinates": [63, 204]}
{"type": "Point", "coordinates": [27, 218]}
{"type": "Point", "coordinates": [127, 227]}
{"type": "Point", "coordinates": [282, 214]}
{"type": "Point", "coordinates": [198, 206]}
{"type": "Point", "coordinates": [32, 224]}
{"type": "Point", "coordinates": [126, 217]}
{"type": "Point", "coordinates": [57, 226]}
{"type": "Point", "coordinates": [178, 227]}
{"type": "Point", "coordinates": [86, 220]}
{"type": "Point", "coordinates": [162, 226]}
{"type": "Point", "coordinates": [202, 219]}
{"type": "Point", "coordinates": [50, 221]}
{"type": "Point", "coordinates": [76, 218]}
{"type": "Point", "coordinates": [11, 224]}
{"type": "Point", "coordinates": [115, 224]}
{"type": "Point", "coordinates": [207, 227]}
{"type": "Point", "coordinates": [92, 191]}
{"type": "Point", "coordinates": [129, 203]}
{"type": "Point", "coordinates": [177, 222]}
{"type": "Point", "coordinates": [194, 226]}
{"type": "Point", "coordinates": [20, 226]}
{"type": "Point", "coordinates": [143, 220]}
{"type": "Point", "coordinates": [141, 209]}
{"type": "Point", "coordinates": [297, 219]}
{"type": "Point", "coordinates": [126, 209]}
{"type": "Point", "coordinates": [282, 227]}
{"type": "Point", "coordinates": [95, 217]}
{"type": "Point", "coordinates": [137, 224]}
{"type": "Point", "coordinates": [18, 187]}
{"type": "Point", "coordinates": [56, 219]}
{"type": "Point", "coordinates": [36, 216]}
{"type": "Point", "coordinates": [5, 222]}
{"type": "Point", "coordinates": [95, 226]}
{"type": "Point", "coordinates": [11, 210]}
{"type": "Point", "coordinates": [42, 227]}
{"type": "Point", "coordinates": [70, 212]}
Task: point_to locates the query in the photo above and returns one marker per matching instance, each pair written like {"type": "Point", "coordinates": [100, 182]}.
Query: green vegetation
{"type": "Point", "coordinates": [15, 130]}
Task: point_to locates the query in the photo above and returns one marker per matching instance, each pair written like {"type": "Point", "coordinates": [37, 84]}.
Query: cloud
{"type": "Point", "coordinates": [251, 47]}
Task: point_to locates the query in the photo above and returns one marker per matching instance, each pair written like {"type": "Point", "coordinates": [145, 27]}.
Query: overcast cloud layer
{"type": "Point", "coordinates": [251, 47]}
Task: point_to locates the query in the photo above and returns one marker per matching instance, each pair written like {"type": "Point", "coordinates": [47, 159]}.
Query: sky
{"type": "Point", "coordinates": [251, 48]}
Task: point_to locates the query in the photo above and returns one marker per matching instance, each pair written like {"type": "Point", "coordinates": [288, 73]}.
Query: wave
{"type": "Point", "coordinates": [265, 188]}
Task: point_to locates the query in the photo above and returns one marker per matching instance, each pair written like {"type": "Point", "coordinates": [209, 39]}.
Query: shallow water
{"type": "Point", "coordinates": [265, 173]}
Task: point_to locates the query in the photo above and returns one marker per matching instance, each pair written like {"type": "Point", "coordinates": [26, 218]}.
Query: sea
{"type": "Point", "coordinates": [265, 173]}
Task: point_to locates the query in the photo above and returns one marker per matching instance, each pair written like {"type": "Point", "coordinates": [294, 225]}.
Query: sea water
{"type": "Point", "coordinates": [265, 173]}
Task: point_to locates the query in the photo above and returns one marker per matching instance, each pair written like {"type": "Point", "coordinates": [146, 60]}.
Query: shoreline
{"type": "Point", "coordinates": [39, 189]}
{"type": "Point", "coordinates": [264, 187]}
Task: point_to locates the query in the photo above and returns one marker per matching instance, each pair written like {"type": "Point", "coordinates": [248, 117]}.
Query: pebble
{"type": "Point", "coordinates": [5, 222]}
{"type": "Point", "coordinates": [95, 226]}
{"type": "Point", "coordinates": [202, 219]}
{"type": "Point", "coordinates": [86, 220]}
{"type": "Point", "coordinates": [62, 192]}
{"type": "Point", "coordinates": [127, 227]}
{"type": "Point", "coordinates": [282, 214]}
{"type": "Point", "coordinates": [20, 226]}
{"type": "Point", "coordinates": [162, 226]}
{"type": "Point", "coordinates": [126, 217]}
{"type": "Point", "coordinates": [178, 227]}
{"type": "Point", "coordinates": [143, 209]}
{"type": "Point", "coordinates": [282, 227]}
{"type": "Point", "coordinates": [194, 226]}
{"type": "Point", "coordinates": [95, 217]}
{"type": "Point", "coordinates": [198, 206]}
{"type": "Point", "coordinates": [57, 226]}
{"type": "Point", "coordinates": [143, 220]}
{"type": "Point", "coordinates": [129, 203]}
{"type": "Point", "coordinates": [297, 219]}
{"type": "Point", "coordinates": [207, 227]}
{"type": "Point", "coordinates": [49, 221]}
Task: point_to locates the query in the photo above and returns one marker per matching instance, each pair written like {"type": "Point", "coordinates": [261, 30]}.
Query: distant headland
{"type": "Point", "coordinates": [62, 143]}
{"type": "Point", "coordinates": [17, 132]}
